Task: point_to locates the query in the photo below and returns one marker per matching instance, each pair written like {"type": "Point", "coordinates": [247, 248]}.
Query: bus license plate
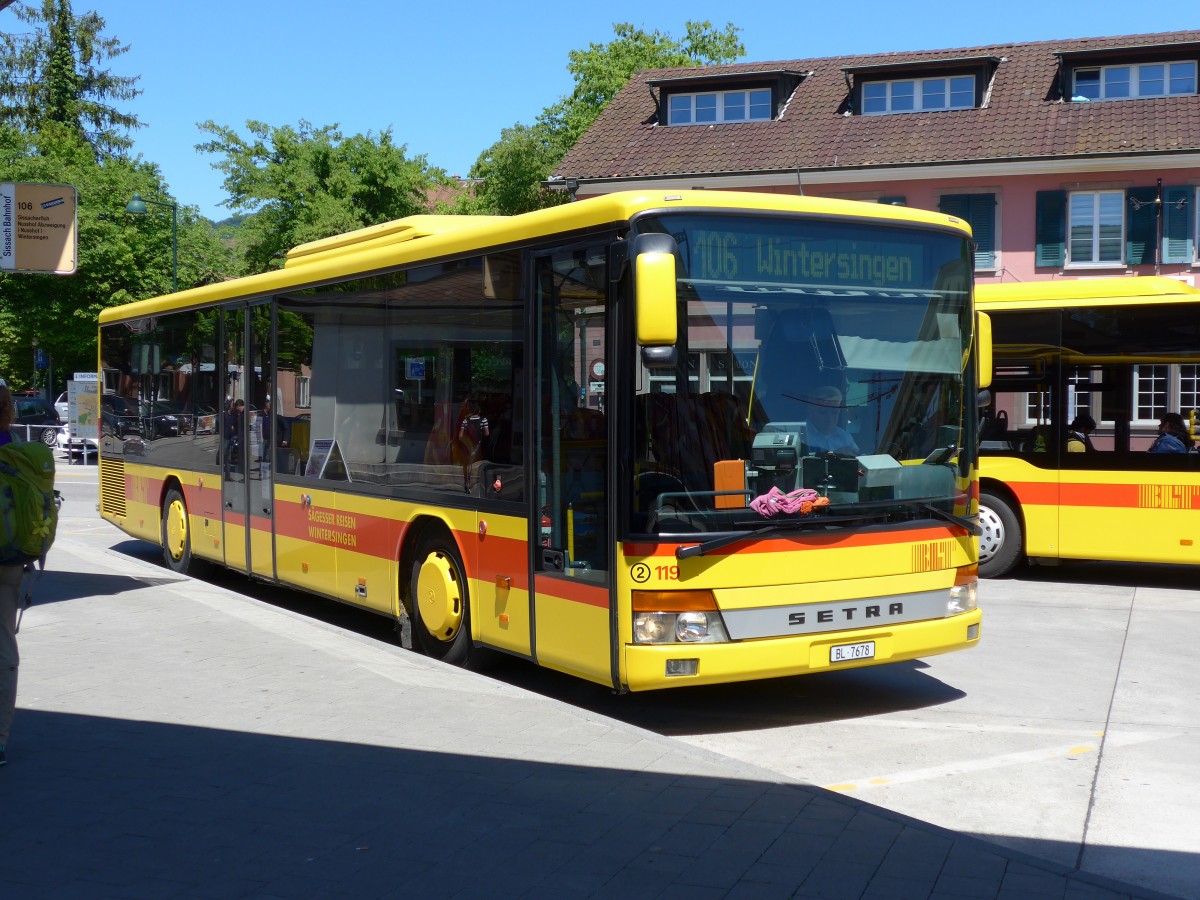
{"type": "Point", "coordinates": [848, 652]}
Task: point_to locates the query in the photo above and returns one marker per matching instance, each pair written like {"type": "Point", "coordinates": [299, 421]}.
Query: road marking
{"type": "Point", "coordinates": [1068, 751]}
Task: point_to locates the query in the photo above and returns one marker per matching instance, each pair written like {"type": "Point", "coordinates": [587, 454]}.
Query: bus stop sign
{"type": "Point", "coordinates": [38, 228]}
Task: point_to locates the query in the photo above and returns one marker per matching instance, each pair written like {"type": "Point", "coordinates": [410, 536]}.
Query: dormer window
{"type": "Point", "coordinates": [720, 106]}
{"type": "Point", "coordinates": [707, 98]}
{"type": "Point", "coordinates": [919, 85]}
{"type": "Point", "coordinates": [1160, 79]}
{"type": "Point", "coordinates": [918, 95]}
{"type": "Point", "coordinates": [1129, 73]}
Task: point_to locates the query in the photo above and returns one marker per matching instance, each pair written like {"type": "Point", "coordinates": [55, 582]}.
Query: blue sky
{"type": "Point", "coordinates": [447, 79]}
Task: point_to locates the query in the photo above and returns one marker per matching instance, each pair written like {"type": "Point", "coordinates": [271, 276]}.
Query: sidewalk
{"type": "Point", "coordinates": [174, 739]}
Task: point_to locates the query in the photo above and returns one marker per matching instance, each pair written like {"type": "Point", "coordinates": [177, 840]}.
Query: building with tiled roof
{"type": "Point", "coordinates": [1070, 158]}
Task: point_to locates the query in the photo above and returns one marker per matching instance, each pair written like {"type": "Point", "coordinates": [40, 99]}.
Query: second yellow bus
{"type": "Point", "coordinates": [1087, 374]}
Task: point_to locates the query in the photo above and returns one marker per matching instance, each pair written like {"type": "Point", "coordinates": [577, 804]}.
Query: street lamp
{"type": "Point", "coordinates": [137, 207]}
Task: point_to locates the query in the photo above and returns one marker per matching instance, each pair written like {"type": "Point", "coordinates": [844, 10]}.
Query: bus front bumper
{"type": "Point", "coordinates": [647, 665]}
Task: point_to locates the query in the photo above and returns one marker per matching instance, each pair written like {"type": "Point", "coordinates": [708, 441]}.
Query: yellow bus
{"type": "Point", "coordinates": [589, 436]}
{"type": "Point", "coordinates": [1084, 372]}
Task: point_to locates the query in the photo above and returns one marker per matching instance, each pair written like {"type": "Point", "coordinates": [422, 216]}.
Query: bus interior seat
{"type": "Point", "coordinates": [993, 431]}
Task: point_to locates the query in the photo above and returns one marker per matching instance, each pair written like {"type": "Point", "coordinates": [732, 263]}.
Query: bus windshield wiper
{"type": "Point", "coordinates": [971, 524]}
{"type": "Point", "coordinates": [726, 539]}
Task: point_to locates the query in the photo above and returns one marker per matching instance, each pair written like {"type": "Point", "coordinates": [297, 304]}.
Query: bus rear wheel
{"type": "Point", "coordinates": [441, 603]}
{"type": "Point", "coordinates": [176, 532]}
{"type": "Point", "coordinates": [1001, 539]}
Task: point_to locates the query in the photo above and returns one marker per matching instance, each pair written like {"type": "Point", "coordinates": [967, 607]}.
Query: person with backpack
{"type": "Point", "coordinates": [472, 432]}
{"type": "Point", "coordinates": [11, 574]}
{"type": "Point", "coordinates": [28, 522]}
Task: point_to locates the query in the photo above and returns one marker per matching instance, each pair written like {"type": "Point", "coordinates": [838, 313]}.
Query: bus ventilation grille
{"type": "Point", "coordinates": [112, 488]}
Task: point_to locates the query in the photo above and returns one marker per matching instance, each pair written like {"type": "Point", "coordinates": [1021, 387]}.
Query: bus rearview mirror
{"type": "Point", "coordinates": [983, 349]}
{"type": "Point", "coordinates": [654, 289]}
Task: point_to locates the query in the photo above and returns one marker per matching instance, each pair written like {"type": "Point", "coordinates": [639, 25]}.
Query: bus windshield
{"type": "Point", "coordinates": [816, 358]}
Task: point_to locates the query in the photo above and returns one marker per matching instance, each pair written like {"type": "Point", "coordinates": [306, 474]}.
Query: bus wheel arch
{"type": "Point", "coordinates": [1002, 538]}
{"type": "Point", "coordinates": [438, 599]}
{"type": "Point", "coordinates": [175, 528]}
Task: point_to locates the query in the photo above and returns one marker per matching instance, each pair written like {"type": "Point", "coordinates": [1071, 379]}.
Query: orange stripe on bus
{"type": "Point", "coordinates": [573, 591]}
{"type": "Point", "coordinates": [1108, 496]}
{"type": "Point", "coordinates": [1036, 493]}
{"type": "Point", "coordinates": [370, 535]}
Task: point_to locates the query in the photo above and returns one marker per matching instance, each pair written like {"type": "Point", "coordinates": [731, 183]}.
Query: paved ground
{"type": "Point", "coordinates": [174, 739]}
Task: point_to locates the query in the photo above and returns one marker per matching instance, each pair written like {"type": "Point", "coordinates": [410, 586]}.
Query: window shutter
{"type": "Point", "coordinates": [1050, 228]}
{"type": "Point", "coordinates": [978, 211]}
{"type": "Point", "coordinates": [1178, 214]}
{"type": "Point", "coordinates": [1141, 226]}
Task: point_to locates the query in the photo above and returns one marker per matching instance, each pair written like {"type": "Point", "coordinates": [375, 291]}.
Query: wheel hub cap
{"type": "Point", "coordinates": [176, 530]}
{"type": "Point", "coordinates": [991, 537]}
{"type": "Point", "coordinates": [439, 597]}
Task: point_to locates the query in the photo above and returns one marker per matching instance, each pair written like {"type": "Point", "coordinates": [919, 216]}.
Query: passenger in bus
{"type": "Point", "coordinates": [1173, 436]}
{"type": "Point", "coordinates": [472, 432]}
{"type": "Point", "coordinates": [1079, 437]}
{"type": "Point", "coordinates": [825, 435]}
{"type": "Point", "coordinates": [234, 412]}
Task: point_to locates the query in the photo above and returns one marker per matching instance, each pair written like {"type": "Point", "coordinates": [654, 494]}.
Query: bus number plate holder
{"type": "Point", "coordinates": [849, 652]}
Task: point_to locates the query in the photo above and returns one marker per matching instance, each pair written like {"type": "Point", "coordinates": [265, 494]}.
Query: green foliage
{"type": "Point", "coordinates": [121, 257]}
{"type": "Point", "coordinates": [603, 69]}
{"type": "Point", "coordinates": [302, 184]}
{"type": "Point", "coordinates": [56, 73]}
{"type": "Point", "coordinates": [511, 173]}
{"type": "Point", "coordinates": [513, 169]}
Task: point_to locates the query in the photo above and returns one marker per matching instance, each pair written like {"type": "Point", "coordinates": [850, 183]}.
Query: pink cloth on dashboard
{"type": "Point", "coordinates": [802, 501]}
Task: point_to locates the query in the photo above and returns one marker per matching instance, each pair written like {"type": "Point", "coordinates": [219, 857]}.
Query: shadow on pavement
{"type": "Point", "coordinates": [111, 807]}
{"type": "Point", "coordinates": [55, 585]}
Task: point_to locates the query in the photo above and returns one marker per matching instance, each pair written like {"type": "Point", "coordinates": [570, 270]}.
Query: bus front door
{"type": "Point", "coordinates": [571, 536]}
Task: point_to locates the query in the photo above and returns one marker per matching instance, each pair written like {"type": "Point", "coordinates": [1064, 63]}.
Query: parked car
{"type": "Point", "coordinates": [63, 407]}
{"type": "Point", "coordinates": [36, 419]}
{"type": "Point", "coordinates": [119, 416]}
{"type": "Point", "coordinates": [82, 446]}
{"type": "Point", "coordinates": [161, 419]}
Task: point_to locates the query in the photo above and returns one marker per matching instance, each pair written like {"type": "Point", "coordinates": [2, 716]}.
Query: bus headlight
{"type": "Point", "coordinates": [964, 594]}
{"type": "Point", "coordinates": [653, 628]}
{"type": "Point", "coordinates": [698, 627]}
{"type": "Point", "coordinates": [677, 617]}
{"type": "Point", "coordinates": [683, 628]}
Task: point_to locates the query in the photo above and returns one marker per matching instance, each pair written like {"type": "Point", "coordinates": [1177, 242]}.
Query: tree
{"type": "Point", "coordinates": [306, 183]}
{"type": "Point", "coordinates": [513, 169]}
{"type": "Point", "coordinates": [603, 69]}
{"type": "Point", "coordinates": [121, 258]}
{"type": "Point", "coordinates": [511, 173]}
{"type": "Point", "coordinates": [56, 74]}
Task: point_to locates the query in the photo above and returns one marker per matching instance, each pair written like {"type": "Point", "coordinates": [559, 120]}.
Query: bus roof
{"type": "Point", "coordinates": [417, 239]}
{"type": "Point", "coordinates": [1084, 292]}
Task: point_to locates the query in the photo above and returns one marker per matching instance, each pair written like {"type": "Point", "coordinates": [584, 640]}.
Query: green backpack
{"type": "Point", "coordinates": [28, 502]}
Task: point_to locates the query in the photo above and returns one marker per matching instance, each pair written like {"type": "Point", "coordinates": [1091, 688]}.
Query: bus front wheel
{"type": "Point", "coordinates": [441, 603]}
{"type": "Point", "coordinates": [176, 532]}
{"type": "Point", "coordinates": [1001, 540]}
